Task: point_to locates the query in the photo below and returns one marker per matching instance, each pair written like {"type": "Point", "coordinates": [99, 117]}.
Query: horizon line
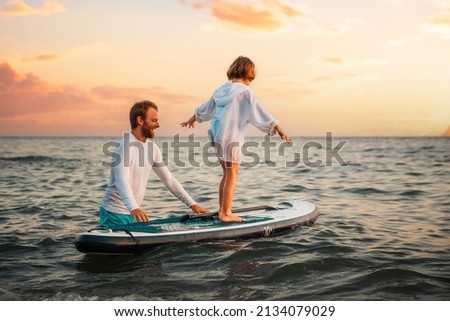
{"type": "Point", "coordinates": [205, 136]}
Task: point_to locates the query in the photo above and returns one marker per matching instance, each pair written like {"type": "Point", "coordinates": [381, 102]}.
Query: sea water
{"type": "Point", "coordinates": [383, 232]}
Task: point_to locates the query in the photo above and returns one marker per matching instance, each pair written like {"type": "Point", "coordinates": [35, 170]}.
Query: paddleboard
{"type": "Point", "coordinates": [261, 221]}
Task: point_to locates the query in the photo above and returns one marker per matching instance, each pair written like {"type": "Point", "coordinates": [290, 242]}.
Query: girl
{"type": "Point", "coordinates": [231, 108]}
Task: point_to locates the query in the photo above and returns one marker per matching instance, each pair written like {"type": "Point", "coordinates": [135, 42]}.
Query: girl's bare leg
{"type": "Point", "coordinates": [226, 192]}
{"type": "Point", "coordinates": [222, 183]}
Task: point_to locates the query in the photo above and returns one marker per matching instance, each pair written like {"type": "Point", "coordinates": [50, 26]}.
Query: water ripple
{"type": "Point", "coordinates": [382, 234]}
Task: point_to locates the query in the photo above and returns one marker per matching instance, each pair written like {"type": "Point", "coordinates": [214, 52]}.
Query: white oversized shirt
{"type": "Point", "coordinates": [231, 108]}
{"type": "Point", "coordinates": [130, 171]}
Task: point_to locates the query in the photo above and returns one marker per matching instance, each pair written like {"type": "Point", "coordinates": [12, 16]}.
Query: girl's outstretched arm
{"type": "Point", "coordinates": [284, 136]}
{"type": "Point", "coordinates": [190, 122]}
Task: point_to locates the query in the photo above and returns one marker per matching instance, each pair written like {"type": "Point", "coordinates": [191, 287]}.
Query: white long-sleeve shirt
{"type": "Point", "coordinates": [130, 172]}
{"type": "Point", "coordinates": [231, 108]}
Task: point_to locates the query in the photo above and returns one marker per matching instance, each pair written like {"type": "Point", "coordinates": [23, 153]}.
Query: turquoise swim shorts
{"type": "Point", "coordinates": [110, 219]}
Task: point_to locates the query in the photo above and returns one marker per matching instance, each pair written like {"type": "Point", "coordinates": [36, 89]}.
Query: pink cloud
{"type": "Point", "coordinates": [266, 15]}
{"type": "Point", "coordinates": [44, 57]}
{"type": "Point", "coordinates": [31, 106]}
{"type": "Point", "coordinates": [20, 8]}
{"type": "Point", "coordinates": [7, 75]}
{"type": "Point", "coordinates": [22, 94]}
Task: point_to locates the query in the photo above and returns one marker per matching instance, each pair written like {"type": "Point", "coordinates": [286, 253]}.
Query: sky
{"type": "Point", "coordinates": [350, 67]}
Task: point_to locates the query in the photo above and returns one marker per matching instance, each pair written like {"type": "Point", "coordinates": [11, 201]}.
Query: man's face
{"type": "Point", "coordinates": [150, 123]}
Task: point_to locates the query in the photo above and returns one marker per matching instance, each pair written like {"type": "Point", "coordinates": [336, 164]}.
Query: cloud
{"type": "Point", "coordinates": [29, 105]}
{"type": "Point", "coordinates": [290, 92]}
{"type": "Point", "coordinates": [94, 48]}
{"type": "Point", "coordinates": [266, 15]}
{"type": "Point", "coordinates": [440, 24]}
{"type": "Point", "coordinates": [43, 57]}
{"type": "Point", "coordinates": [355, 63]}
{"type": "Point", "coordinates": [400, 42]}
{"type": "Point", "coordinates": [312, 29]}
{"type": "Point", "coordinates": [344, 79]}
{"type": "Point", "coordinates": [28, 94]}
{"type": "Point", "coordinates": [124, 93]}
{"type": "Point", "coordinates": [20, 8]}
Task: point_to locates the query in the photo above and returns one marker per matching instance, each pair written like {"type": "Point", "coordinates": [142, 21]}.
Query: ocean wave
{"type": "Point", "coordinates": [382, 233]}
{"type": "Point", "coordinates": [39, 159]}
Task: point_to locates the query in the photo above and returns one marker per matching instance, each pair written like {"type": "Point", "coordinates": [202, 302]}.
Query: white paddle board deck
{"type": "Point", "coordinates": [262, 221]}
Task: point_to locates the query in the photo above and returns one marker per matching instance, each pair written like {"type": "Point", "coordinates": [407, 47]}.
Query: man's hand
{"type": "Point", "coordinates": [139, 215]}
{"type": "Point", "coordinates": [198, 209]}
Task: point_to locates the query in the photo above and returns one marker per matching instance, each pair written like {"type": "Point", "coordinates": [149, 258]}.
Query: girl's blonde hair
{"type": "Point", "coordinates": [242, 68]}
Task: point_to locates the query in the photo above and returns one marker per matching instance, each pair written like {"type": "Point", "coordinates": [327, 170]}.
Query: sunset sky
{"type": "Point", "coordinates": [351, 67]}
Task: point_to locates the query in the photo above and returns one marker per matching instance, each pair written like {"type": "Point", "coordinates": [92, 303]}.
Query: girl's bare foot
{"type": "Point", "coordinates": [230, 218]}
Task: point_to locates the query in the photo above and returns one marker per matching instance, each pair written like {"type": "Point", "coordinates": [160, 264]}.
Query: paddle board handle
{"type": "Point", "coordinates": [193, 216]}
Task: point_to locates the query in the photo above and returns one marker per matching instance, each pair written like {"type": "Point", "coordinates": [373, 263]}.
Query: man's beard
{"type": "Point", "coordinates": [147, 132]}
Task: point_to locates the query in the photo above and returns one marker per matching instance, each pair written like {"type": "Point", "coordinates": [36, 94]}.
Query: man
{"type": "Point", "coordinates": [135, 156]}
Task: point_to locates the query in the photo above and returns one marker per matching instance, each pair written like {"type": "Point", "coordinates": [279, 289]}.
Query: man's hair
{"type": "Point", "coordinates": [242, 68]}
{"type": "Point", "coordinates": [140, 109]}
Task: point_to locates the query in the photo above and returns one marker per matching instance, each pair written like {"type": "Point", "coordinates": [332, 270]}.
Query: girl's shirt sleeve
{"type": "Point", "coordinates": [258, 116]}
{"type": "Point", "coordinates": [206, 111]}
